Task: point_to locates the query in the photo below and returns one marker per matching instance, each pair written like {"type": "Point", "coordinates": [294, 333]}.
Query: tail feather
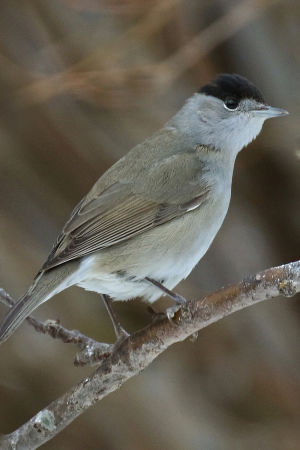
{"type": "Point", "coordinates": [16, 315]}
{"type": "Point", "coordinates": [44, 287]}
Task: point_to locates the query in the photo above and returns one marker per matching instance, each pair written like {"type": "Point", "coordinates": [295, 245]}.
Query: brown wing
{"type": "Point", "coordinates": [132, 216]}
{"type": "Point", "coordinates": [106, 217]}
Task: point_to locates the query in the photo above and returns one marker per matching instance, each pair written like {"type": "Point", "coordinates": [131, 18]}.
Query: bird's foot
{"type": "Point", "coordinates": [178, 299]}
{"type": "Point", "coordinates": [171, 311]}
{"type": "Point", "coordinates": [96, 352]}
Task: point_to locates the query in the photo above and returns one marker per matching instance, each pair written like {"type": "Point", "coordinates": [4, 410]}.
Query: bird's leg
{"type": "Point", "coordinates": [176, 297]}
{"type": "Point", "coordinates": [95, 354]}
{"type": "Point", "coordinates": [170, 312]}
{"type": "Point", "coordinates": [120, 332]}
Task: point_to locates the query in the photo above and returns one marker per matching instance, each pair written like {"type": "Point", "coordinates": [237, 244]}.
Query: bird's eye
{"type": "Point", "coordinates": [231, 103]}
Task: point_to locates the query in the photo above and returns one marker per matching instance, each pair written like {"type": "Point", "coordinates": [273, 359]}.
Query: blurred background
{"type": "Point", "coordinates": [81, 82]}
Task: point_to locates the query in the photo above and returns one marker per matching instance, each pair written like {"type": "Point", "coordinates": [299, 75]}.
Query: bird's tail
{"type": "Point", "coordinates": [45, 285]}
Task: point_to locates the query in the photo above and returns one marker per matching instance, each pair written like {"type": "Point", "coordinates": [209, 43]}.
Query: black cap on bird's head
{"type": "Point", "coordinates": [230, 112]}
{"type": "Point", "coordinates": [232, 86]}
{"type": "Point", "coordinates": [233, 90]}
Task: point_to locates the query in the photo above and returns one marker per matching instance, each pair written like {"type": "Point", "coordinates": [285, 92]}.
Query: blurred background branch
{"type": "Point", "coordinates": [148, 78]}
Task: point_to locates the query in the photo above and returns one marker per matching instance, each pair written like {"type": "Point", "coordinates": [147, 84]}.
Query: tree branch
{"type": "Point", "coordinates": [91, 351]}
{"type": "Point", "coordinates": [135, 353]}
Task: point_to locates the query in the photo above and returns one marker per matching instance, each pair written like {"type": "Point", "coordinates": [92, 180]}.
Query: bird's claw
{"type": "Point", "coordinates": [171, 311]}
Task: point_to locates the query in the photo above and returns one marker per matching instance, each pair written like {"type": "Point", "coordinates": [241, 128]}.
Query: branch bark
{"type": "Point", "coordinates": [135, 353]}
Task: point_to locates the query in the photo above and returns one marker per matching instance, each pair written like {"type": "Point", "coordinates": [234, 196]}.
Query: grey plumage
{"type": "Point", "coordinates": [36, 294]}
{"type": "Point", "coordinates": [155, 212]}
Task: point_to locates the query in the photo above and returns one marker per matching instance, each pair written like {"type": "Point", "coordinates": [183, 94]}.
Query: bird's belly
{"type": "Point", "coordinates": [167, 253]}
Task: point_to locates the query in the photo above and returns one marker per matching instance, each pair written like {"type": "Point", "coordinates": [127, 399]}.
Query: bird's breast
{"type": "Point", "coordinates": [166, 253]}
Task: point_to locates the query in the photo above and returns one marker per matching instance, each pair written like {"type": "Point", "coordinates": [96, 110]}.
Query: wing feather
{"type": "Point", "coordinates": [118, 213]}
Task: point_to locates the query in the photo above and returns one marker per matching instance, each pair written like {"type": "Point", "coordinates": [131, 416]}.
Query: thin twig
{"type": "Point", "coordinates": [136, 352]}
{"type": "Point", "coordinates": [91, 351]}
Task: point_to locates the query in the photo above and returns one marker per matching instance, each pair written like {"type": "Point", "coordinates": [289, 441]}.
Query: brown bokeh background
{"type": "Point", "coordinates": [81, 82]}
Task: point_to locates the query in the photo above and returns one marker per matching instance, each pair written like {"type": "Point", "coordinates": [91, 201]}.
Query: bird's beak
{"type": "Point", "coordinates": [267, 112]}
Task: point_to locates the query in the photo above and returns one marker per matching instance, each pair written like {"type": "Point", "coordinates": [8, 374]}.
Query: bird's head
{"type": "Point", "coordinates": [229, 112]}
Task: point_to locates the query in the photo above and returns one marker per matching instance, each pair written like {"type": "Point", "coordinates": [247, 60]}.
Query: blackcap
{"type": "Point", "coordinates": [151, 217]}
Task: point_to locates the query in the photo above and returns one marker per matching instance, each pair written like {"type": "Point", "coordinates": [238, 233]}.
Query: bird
{"type": "Point", "coordinates": [151, 217]}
